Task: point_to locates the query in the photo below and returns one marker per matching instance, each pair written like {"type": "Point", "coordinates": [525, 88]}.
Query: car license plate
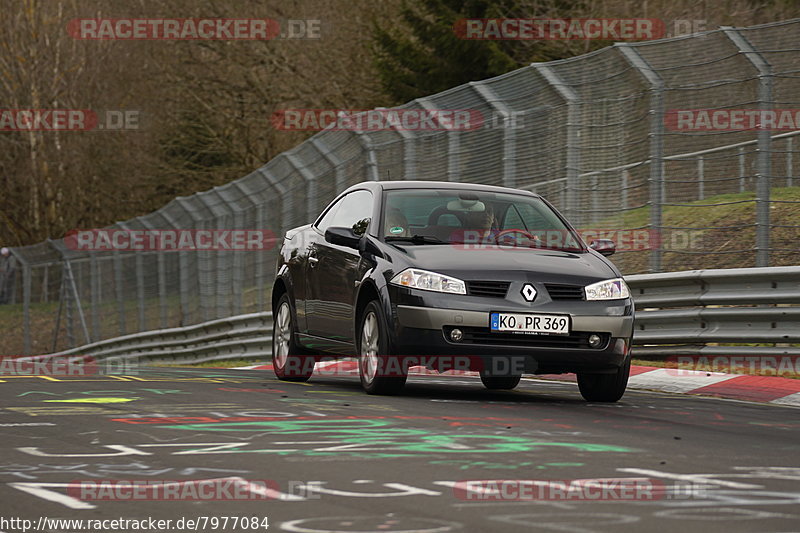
{"type": "Point", "coordinates": [533, 324]}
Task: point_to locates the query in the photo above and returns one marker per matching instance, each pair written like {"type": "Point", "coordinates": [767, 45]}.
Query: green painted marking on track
{"type": "Point", "coordinates": [378, 439]}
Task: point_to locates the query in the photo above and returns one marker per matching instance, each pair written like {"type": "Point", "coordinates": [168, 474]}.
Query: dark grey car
{"type": "Point", "coordinates": [450, 275]}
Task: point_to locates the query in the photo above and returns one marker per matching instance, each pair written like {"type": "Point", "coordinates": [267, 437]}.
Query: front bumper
{"type": "Point", "coordinates": [425, 330]}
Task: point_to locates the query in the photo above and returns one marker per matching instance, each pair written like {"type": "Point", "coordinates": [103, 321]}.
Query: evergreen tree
{"type": "Point", "coordinates": [429, 57]}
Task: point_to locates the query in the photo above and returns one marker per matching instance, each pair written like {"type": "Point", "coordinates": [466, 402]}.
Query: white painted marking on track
{"type": "Point", "coordinates": [694, 478]}
{"type": "Point", "coordinates": [675, 380]}
{"type": "Point", "coordinates": [792, 399]}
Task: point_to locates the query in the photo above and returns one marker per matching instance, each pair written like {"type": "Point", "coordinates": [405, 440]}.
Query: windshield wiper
{"type": "Point", "coordinates": [415, 239]}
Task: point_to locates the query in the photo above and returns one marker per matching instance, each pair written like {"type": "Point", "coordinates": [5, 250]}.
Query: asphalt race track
{"type": "Point", "coordinates": [323, 456]}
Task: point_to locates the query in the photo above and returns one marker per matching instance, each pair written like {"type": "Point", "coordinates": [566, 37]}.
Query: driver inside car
{"type": "Point", "coordinates": [482, 224]}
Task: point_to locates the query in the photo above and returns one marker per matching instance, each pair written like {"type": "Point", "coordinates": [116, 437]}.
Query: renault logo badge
{"type": "Point", "coordinates": [528, 292]}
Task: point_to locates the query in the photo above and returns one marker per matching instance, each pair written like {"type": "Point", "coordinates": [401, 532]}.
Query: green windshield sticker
{"type": "Point", "coordinates": [395, 230]}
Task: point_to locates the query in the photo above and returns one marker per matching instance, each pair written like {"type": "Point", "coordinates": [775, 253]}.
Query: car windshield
{"type": "Point", "coordinates": [474, 218]}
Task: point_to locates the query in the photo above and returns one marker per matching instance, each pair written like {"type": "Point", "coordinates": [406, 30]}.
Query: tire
{"type": "Point", "coordinates": [605, 387]}
{"type": "Point", "coordinates": [289, 362]}
{"type": "Point", "coordinates": [500, 382]}
{"type": "Point", "coordinates": [373, 354]}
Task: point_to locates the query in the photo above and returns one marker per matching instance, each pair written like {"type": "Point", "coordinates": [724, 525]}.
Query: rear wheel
{"type": "Point", "coordinates": [288, 360]}
{"type": "Point", "coordinates": [500, 382]}
{"type": "Point", "coordinates": [380, 373]}
{"type": "Point", "coordinates": [605, 387]}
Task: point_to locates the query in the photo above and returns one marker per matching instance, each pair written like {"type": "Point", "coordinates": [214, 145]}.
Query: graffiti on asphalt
{"type": "Point", "coordinates": [73, 409]}
{"type": "Point", "coordinates": [107, 470]}
{"type": "Point", "coordinates": [102, 392]}
{"type": "Point", "coordinates": [462, 464]}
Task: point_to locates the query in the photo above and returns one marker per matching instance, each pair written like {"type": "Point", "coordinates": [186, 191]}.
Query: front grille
{"type": "Point", "coordinates": [564, 292]}
{"type": "Point", "coordinates": [494, 289]}
{"type": "Point", "coordinates": [576, 340]}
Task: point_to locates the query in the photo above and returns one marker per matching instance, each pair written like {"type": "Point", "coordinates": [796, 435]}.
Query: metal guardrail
{"type": "Point", "coordinates": [692, 312]}
{"type": "Point", "coordinates": [237, 337]}
{"type": "Point", "coordinates": [677, 313]}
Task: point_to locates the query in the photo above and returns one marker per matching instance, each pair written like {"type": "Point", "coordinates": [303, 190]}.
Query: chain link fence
{"type": "Point", "coordinates": [593, 134]}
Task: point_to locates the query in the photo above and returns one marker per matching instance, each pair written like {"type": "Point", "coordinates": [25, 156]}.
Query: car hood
{"type": "Point", "coordinates": [510, 264]}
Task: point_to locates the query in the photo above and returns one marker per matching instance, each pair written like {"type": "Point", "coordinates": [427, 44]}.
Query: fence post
{"type": "Point", "coordinates": [183, 267]}
{"type": "Point", "coordinates": [139, 284]}
{"type": "Point", "coordinates": [280, 188]}
{"type": "Point", "coordinates": [701, 177]}
{"type": "Point", "coordinates": [573, 148]}
{"type": "Point", "coordinates": [162, 288]}
{"type": "Point", "coordinates": [372, 160]}
{"type": "Point", "coordinates": [311, 184]}
{"type": "Point", "coordinates": [656, 181]}
{"type": "Point", "coordinates": [333, 160]}
{"type": "Point", "coordinates": [119, 283]}
{"type": "Point", "coordinates": [94, 286]}
{"type": "Point", "coordinates": [623, 197]}
{"type": "Point", "coordinates": [509, 131]}
{"type": "Point", "coordinates": [70, 292]}
{"type": "Point", "coordinates": [45, 284]}
{"type": "Point", "coordinates": [409, 148]}
{"type": "Point", "coordinates": [217, 259]}
{"type": "Point", "coordinates": [26, 302]}
{"type": "Point", "coordinates": [160, 276]}
{"type": "Point", "coordinates": [262, 283]}
{"type": "Point", "coordinates": [789, 161]}
{"type": "Point", "coordinates": [741, 169]}
{"type": "Point", "coordinates": [764, 155]}
{"type": "Point", "coordinates": [453, 156]}
{"type": "Point", "coordinates": [201, 286]}
{"type": "Point", "coordinates": [183, 272]}
{"type": "Point", "coordinates": [453, 145]}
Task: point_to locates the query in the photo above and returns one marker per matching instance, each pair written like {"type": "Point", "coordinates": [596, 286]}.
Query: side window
{"type": "Point", "coordinates": [355, 212]}
{"type": "Point", "coordinates": [327, 220]}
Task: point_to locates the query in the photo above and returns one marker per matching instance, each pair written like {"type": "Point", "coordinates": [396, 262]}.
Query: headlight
{"type": "Point", "coordinates": [610, 289]}
{"type": "Point", "coordinates": [429, 281]}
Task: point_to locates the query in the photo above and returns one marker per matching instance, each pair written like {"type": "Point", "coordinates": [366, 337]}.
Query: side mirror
{"type": "Point", "coordinates": [604, 247]}
{"type": "Point", "coordinates": [342, 236]}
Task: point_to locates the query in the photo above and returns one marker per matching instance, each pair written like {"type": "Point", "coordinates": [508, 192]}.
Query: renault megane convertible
{"type": "Point", "coordinates": [450, 275]}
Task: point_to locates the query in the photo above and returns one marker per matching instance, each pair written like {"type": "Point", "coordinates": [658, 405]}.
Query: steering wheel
{"type": "Point", "coordinates": [524, 233]}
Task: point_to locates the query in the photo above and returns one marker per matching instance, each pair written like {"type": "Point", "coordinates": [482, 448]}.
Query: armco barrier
{"type": "Point", "coordinates": [706, 311]}
{"type": "Point", "coordinates": [244, 336]}
{"type": "Point", "coordinates": [677, 313]}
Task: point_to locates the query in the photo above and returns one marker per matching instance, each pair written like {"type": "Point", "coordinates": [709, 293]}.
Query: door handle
{"type": "Point", "coordinates": [312, 261]}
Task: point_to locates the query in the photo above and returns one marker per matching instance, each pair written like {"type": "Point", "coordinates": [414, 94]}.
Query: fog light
{"type": "Point", "coordinates": [456, 335]}
{"type": "Point", "coordinates": [594, 340]}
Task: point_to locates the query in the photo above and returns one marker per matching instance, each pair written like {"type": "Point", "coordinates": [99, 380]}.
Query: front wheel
{"type": "Point", "coordinates": [288, 361]}
{"type": "Point", "coordinates": [380, 373]}
{"type": "Point", "coordinates": [605, 387]}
